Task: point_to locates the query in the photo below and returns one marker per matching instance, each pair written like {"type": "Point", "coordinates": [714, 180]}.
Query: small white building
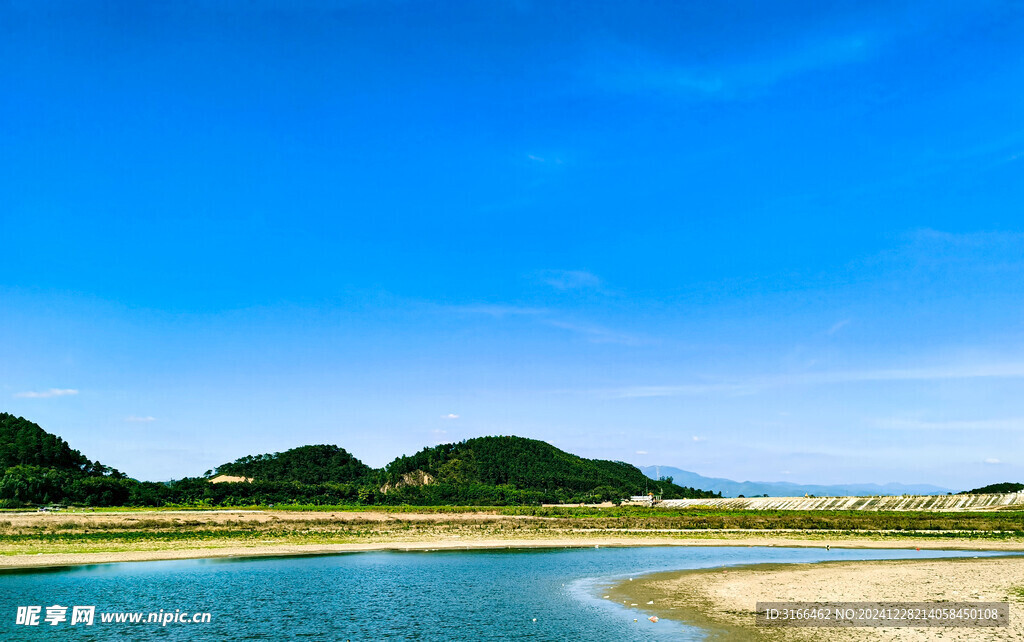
{"type": "Point", "coordinates": [650, 499]}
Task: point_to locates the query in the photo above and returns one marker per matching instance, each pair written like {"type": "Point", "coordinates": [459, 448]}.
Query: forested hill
{"type": "Point", "coordinates": [38, 468]}
{"type": "Point", "coordinates": [1005, 487]}
{"type": "Point", "coordinates": [23, 443]}
{"type": "Point", "coordinates": [306, 464]}
{"type": "Point", "coordinates": [531, 465]}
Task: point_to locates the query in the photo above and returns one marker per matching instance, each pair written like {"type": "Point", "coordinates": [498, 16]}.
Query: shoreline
{"type": "Point", "coordinates": [722, 600]}
{"type": "Point", "coordinates": [719, 600]}
{"type": "Point", "coordinates": [18, 561]}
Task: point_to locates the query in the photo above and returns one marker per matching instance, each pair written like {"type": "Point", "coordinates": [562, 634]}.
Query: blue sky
{"type": "Point", "coordinates": [777, 241]}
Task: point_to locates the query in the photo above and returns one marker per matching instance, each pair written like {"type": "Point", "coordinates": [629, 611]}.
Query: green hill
{"type": "Point", "coordinates": [23, 443]}
{"type": "Point", "coordinates": [306, 464]}
{"type": "Point", "coordinates": [532, 466]}
{"type": "Point", "coordinates": [485, 470]}
{"type": "Point", "coordinates": [1005, 487]}
{"type": "Point", "coordinates": [37, 467]}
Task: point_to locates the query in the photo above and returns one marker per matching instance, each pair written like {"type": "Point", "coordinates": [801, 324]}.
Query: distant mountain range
{"type": "Point", "coordinates": [730, 488]}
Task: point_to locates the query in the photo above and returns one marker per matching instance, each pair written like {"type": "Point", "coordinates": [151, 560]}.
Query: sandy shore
{"type": "Point", "coordinates": [724, 600]}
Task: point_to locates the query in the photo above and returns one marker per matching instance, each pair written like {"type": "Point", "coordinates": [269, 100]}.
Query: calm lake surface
{"type": "Point", "coordinates": [437, 595]}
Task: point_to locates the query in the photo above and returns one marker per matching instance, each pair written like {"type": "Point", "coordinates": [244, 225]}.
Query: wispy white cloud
{"type": "Point", "coordinates": [978, 424]}
{"type": "Point", "coordinates": [698, 439]}
{"type": "Point", "coordinates": [45, 394]}
{"type": "Point", "coordinates": [499, 311]}
{"type": "Point", "coordinates": [956, 371]}
{"type": "Point", "coordinates": [987, 252]}
{"type": "Point", "coordinates": [593, 333]}
{"type": "Point", "coordinates": [686, 390]}
{"type": "Point", "coordinates": [570, 279]}
{"type": "Point", "coordinates": [980, 239]}
{"type": "Point", "coordinates": [754, 385]}
{"type": "Point", "coordinates": [635, 71]}
{"type": "Point", "coordinates": [836, 327]}
{"type": "Point", "coordinates": [598, 334]}
{"type": "Point", "coordinates": [450, 415]}
{"type": "Point", "coordinates": [641, 452]}
{"type": "Point", "coordinates": [145, 419]}
{"type": "Point", "coordinates": [992, 460]}
{"type": "Point", "coordinates": [542, 159]}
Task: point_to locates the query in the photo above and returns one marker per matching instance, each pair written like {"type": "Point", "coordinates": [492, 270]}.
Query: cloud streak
{"type": "Point", "coordinates": [563, 280]}
{"type": "Point", "coordinates": [500, 311]}
{"type": "Point", "coordinates": [597, 334]}
{"type": "Point", "coordinates": [593, 333]}
{"type": "Point", "coordinates": [633, 71]}
{"type": "Point", "coordinates": [837, 327]}
{"type": "Point", "coordinates": [46, 394]}
{"type": "Point", "coordinates": [979, 424]}
{"type": "Point", "coordinates": [759, 384]}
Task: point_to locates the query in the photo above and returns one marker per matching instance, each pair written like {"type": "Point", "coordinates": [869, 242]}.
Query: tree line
{"type": "Point", "coordinates": [40, 468]}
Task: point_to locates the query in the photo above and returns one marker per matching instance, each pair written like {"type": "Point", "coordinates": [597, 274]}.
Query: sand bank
{"type": "Point", "coordinates": [724, 600]}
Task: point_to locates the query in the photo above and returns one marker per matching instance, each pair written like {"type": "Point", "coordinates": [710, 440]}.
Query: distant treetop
{"type": "Point", "coordinates": [992, 489]}
{"type": "Point", "coordinates": [306, 464]}
{"type": "Point", "coordinates": [25, 443]}
{"type": "Point", "coordinates": [531, 464]}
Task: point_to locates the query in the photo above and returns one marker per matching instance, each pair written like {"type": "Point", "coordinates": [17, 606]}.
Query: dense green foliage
{"type": "Point", "coordinates": [1005, 487]}
{"type": "Point", "coordinates": [25, 443]}
{"type": "Point", "coordinates": [40, 468]}
{"type": "Point", "coordinates": [523, 471]}
{"type": "Point", "coordinates": [307, 465]}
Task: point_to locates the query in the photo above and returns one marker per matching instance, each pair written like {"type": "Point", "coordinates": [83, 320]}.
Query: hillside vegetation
{"type": "Point", "coordinates": [306, 464]}
{"type": "Point", "coordinates": [1005, 487]}
{"type": "Point", "coordinates": [532, 469]}
{"type": "Point", "coordinates": [23, 443]}
{"type": "Point", "coordinates": [40, 468]}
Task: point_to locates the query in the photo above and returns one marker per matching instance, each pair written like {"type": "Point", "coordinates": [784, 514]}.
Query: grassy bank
{"type": "Point", "coordinates": [690, 517]}
{"type": "Point", "coordinates": [118, 530]}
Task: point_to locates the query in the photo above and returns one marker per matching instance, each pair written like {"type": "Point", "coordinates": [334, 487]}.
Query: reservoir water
{"type": "Point", "coordinates": [436, 595]}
